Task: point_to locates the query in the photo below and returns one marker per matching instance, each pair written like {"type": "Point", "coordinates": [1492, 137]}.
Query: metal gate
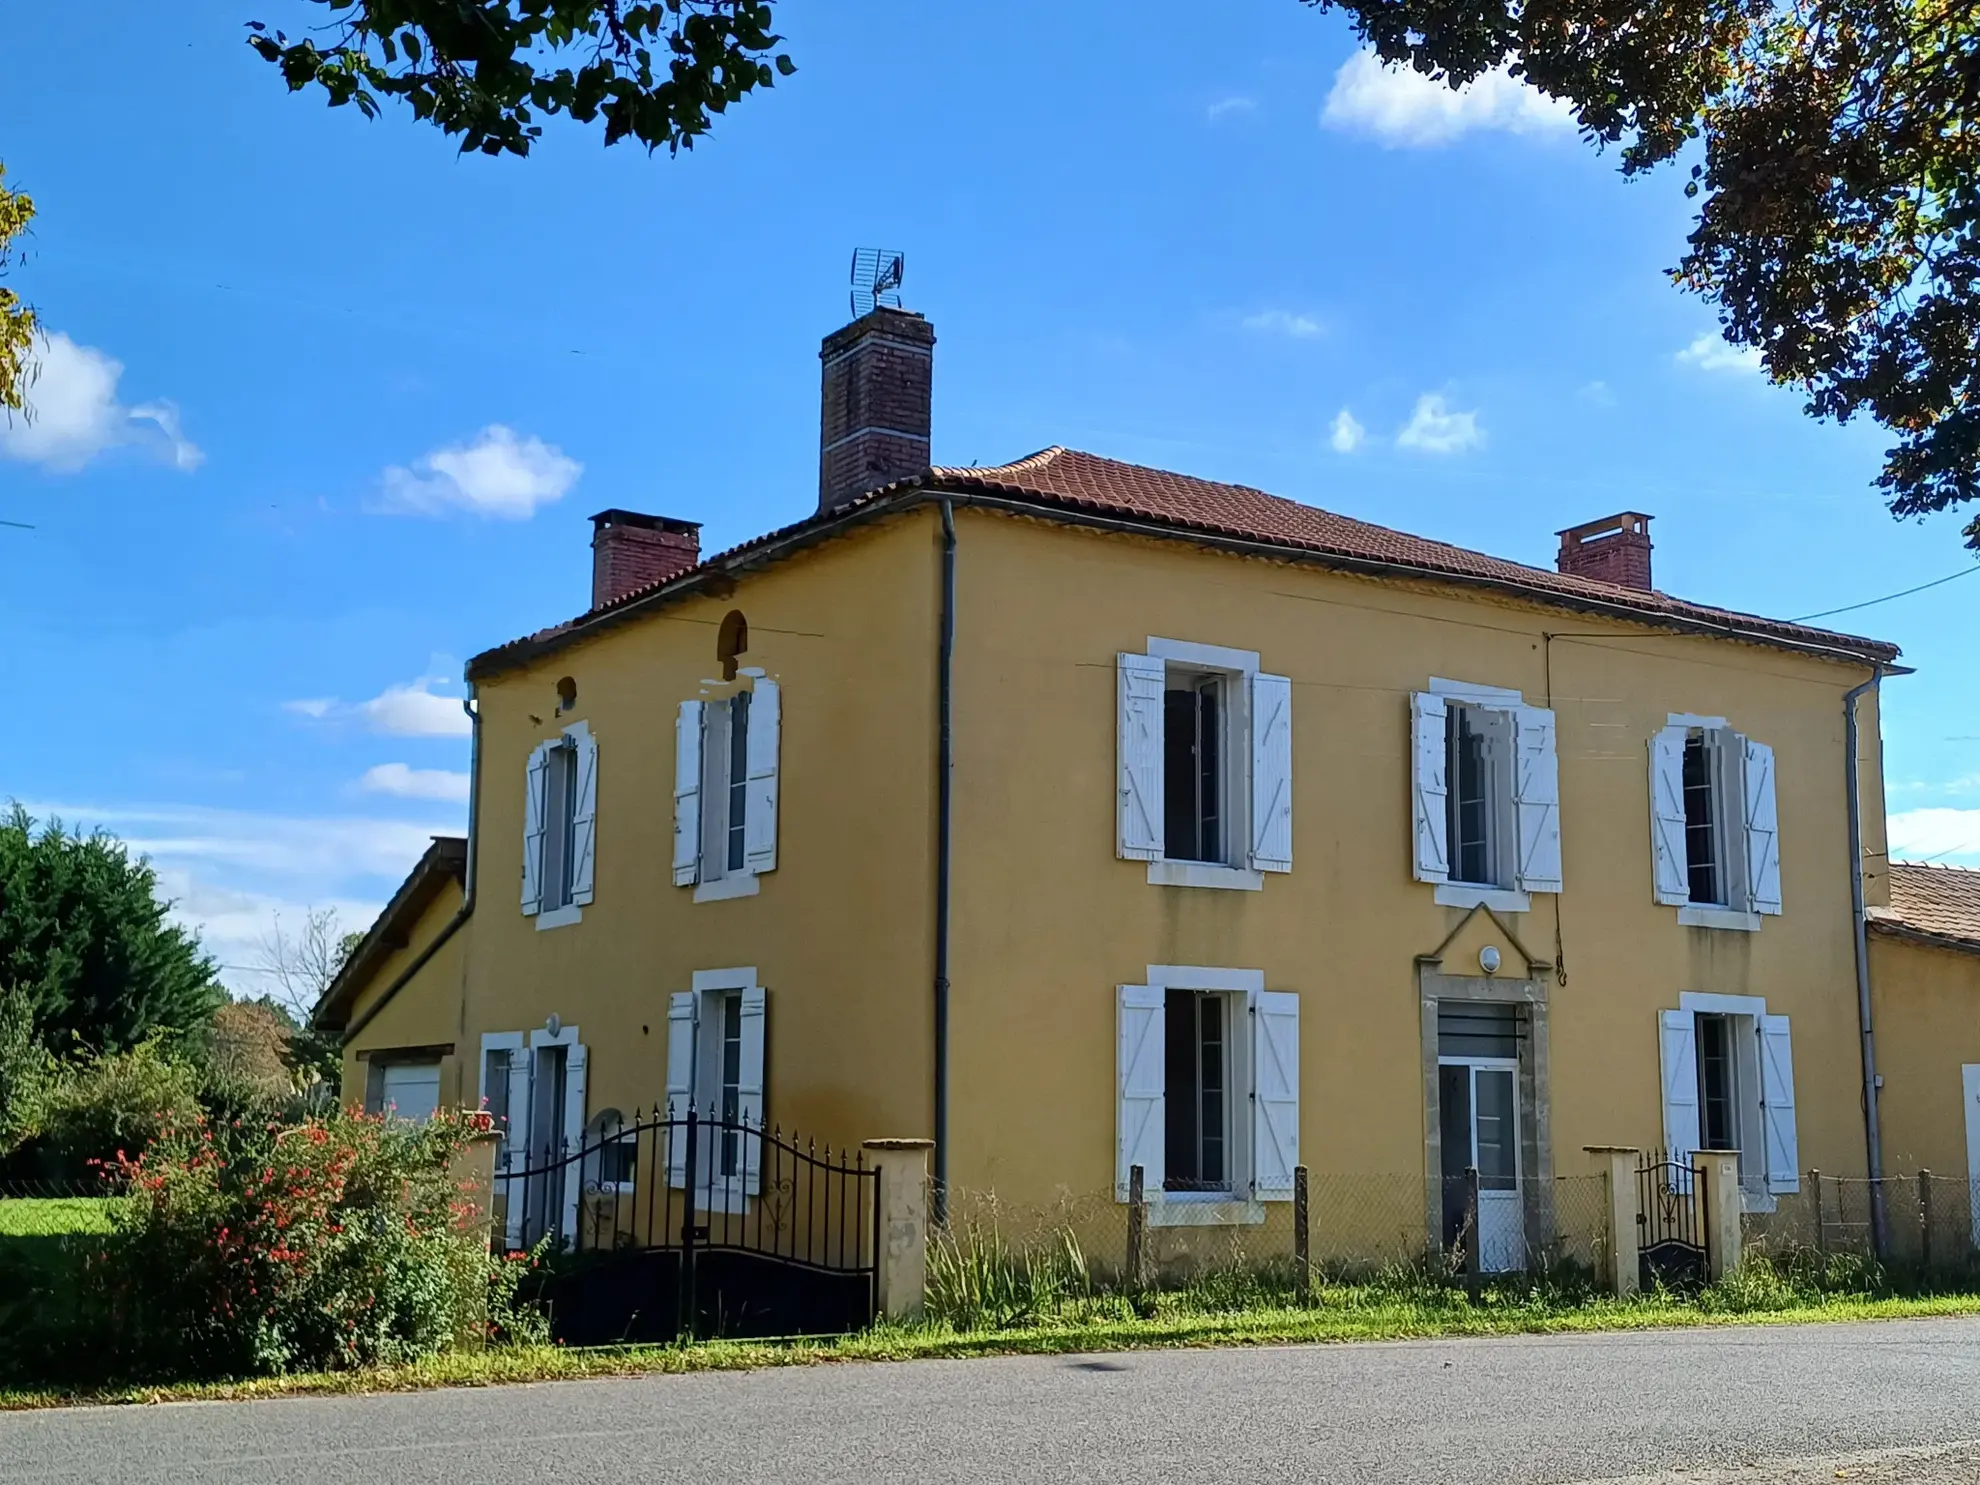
{"type": "Point", "coordinates": [677, 1226]}
{"type": "Point", "coordinates": [1670, 1222]}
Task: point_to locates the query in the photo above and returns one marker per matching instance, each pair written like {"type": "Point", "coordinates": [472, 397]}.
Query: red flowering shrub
{"type": "Point", "coordinates": [343, 1241]}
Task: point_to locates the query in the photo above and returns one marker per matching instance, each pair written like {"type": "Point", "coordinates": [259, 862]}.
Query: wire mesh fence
{"type": "Point", "coordinates": [52, 1209]}
{"type": "Point", "coordinates": [1930, 1223]}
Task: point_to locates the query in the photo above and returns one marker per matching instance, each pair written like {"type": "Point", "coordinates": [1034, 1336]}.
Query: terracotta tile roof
{"type": "Point", "coordinates": [1939, 902]}
{"type": "Point", "coordinates": [1073, 482]}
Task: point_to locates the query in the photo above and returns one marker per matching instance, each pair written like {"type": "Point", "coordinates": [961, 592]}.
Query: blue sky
{"type": "Point", "coordinates": [327, 404]}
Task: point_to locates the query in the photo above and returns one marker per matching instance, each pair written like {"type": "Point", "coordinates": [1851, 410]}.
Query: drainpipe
{"type": "Point", "coordinates": [945, 760]}
{"type": "Point", "coordinates": [1872, 1132]}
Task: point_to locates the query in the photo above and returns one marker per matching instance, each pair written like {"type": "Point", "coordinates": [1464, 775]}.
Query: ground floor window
{"type": "Point", "coordinates": [1197, 1088]}
{"type": "Point", "coordinates": [1728, 1073]}
{"type": "Point", "coordinates": [403, 1089]}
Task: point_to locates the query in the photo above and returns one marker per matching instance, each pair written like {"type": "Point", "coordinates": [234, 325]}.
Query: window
{"type": "Point", "coordinates": [1728, 1071]}
{"type": "Point", "coordinates": [1714, 835]}
{"type": "Point", "coordinates": [1208, 1083]}
{"type": "Point", "coordinates": [1718, 1099]}
{"type": "Point", "coordinates": [725, 792]}
{"type": "Point", "coordinates": [560, 827]}
{"type": "Point", "coordinates": [408, 1090]}
{"type": "Point", "coordinates": [715, 1062]}
{"type": "Point", "coordinates": [1205, 754]}
{"type": "Point", "coordinates": [1197, 1088]}
{"type": "Point", "coordinates": [611, 1154]}
{"type": "Point", "coordinates": [1485, 792]}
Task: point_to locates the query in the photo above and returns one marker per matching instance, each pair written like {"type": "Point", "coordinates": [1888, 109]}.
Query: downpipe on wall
{"type": "Point", "coordinates": [945, 758]}
{"type": "Point", "coordinates": [1872, 1131]}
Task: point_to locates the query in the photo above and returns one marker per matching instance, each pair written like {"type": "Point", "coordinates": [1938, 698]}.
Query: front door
{"type": "Point", "coordinates": [1479, 1118]}
{"type": "Point", "coordinates": [544, 1197]}
{"type": "Point", "coordinates": [1969, 1077]}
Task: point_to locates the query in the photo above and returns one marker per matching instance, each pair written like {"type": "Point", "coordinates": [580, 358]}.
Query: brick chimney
{"type": "Point", "coordinates": [874, 411]}
{"type": "Point", "coordinates": [630, 551]}
{"type": "Point", "coordinates": [1615, 549]}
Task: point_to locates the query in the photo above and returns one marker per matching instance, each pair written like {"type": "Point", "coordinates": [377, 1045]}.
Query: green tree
{"type": "Point", "coordinates": [84, 936]}
{"type": "Point", "coordinates": [17, 321]}
{"type": "Point", "coordinates": [1837, 175]}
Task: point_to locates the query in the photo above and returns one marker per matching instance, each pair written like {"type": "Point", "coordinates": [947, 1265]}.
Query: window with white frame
{"type": "Point", "coordinates": [560, 826]}
{"type": "Point", "coordinates": [1208, 1087]}
{"type": "Point", "coordinates": [716, 1043]}
{"type": "Point", "coordinates": [611, 1154]}
{"type": "Point", "coordinates": [1205, 754]}
{"type": "Point", "coordinates": [536, 1086]}
{"type": "Point", "coordinates": [1714, 827]}
{"type": "Point", "coordinates": [725, 791]}
{"type": "Point", "coordinates": [1728, 1075]}
{"type": "Point", "coordinates": [1485, 792]}
{"type": "Point", "coordinates": [402, 1087]}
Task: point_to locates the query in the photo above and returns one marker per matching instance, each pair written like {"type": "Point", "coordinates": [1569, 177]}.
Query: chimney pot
{"type": "Point", "coordinates": [875, 404]}
{"type": "Point", "coordinates": [630, 551]}
{"type": "Point", "coordinates": [1615, 549]}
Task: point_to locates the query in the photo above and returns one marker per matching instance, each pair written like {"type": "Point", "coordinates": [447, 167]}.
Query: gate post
{"type": "Point", "coordinates": [1618, 1165]}
{"type": "Point", "coordinates": [900, 1256]}
{"type": "Point", "coordinates": [1474, 1245]}
{"type": "Point", "coordinates": [1715, 1180]}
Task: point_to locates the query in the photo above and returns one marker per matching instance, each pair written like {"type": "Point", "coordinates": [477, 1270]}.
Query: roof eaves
{"type": "Point", "coordinates": [445, 857]}
{"type": "Point", "coordinates": [1895, 927]}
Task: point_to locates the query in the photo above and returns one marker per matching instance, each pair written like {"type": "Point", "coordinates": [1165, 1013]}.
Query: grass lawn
{"type": "Point", "coordinates": [1337, 1315]}
{"type": "Point", "coordinates": [30, 1217]}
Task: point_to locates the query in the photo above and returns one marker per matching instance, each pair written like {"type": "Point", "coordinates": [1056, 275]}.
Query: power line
{"type": "Point", "coordinates": [1850, 608]}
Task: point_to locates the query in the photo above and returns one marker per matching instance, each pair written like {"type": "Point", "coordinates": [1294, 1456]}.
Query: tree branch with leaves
{"type": "Point", "coordinates": [18, 327]}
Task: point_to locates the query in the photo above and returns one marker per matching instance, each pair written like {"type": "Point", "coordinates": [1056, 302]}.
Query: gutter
{"type": "Point", "coordinates": [466, 910]}
{"type": "Point", "coordinates": [1872, 1131]}
{"type": "Point", "coordinates": [944, 816]}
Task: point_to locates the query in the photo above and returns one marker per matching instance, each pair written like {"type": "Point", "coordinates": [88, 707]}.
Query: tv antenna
{"type": "Point", "coordinates": [876, 279]}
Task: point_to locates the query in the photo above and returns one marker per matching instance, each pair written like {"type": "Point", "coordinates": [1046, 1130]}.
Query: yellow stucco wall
{"type": "Point", "coordinates": [426, 1012]}
{"type": "Point", "coordinates": [839, 933]}
{"type": "Point", "coordinates": [1048, 921]}
{"type": "Point", "coordinates": [1926, 1007]}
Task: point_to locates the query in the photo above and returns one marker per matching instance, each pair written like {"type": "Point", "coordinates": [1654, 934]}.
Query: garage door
{"type": "Point", "coordinates": [410, 1090]}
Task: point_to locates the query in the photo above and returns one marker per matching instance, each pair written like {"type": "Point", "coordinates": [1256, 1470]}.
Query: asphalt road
{"type": "Point", "coordinates": [1760, 1405]}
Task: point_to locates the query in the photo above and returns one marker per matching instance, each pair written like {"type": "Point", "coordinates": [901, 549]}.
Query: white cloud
{"type": "Point", "coordinates": [1284, 322]}
{"type": "Point", "coordinates": [74, 415]}
{"type": "Point", "coordinates": [498, 474]}
{"type": "Point", "coordinates": [234, 926]}
{"type": "Point", "coordinates": [1935, 834]}
{"type": "Point", "coordinates": [1434, 429]}
{"type": "Point", "coordinates": [1710, 352]}
{"type": "Point", "coordinates": [409, 709]}
{"type": "Point", "coordinates": [1224, 107]}
{"type": "Point", "coordinates": [1596, 393]}
{"type": "Point", "coordinates": [1398, 106]}
{"type": "Point", "coordinates": [404, 782]}
{"type": "Point", "coordinates": [1347, 433]}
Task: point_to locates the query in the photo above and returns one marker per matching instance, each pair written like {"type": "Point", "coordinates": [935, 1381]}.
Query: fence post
{"type": "Point", "coordinates": [1473, 1276]}
{"type": "Point", "coordinates": [1137, 1233]}
{"type": "Point", "coordinates": [1302, 1244]}
{"type": "Point", "coordinates": [1925, 1219]}
{"type": "Point", "coordinates": [1715, 1177]}
{"type": "Point", "coordinates": [1619, 1163]}
{"type": "Point", "coordinates": [900, 1254]}
{"type": "Point", "coordinates": [1821, 1225]}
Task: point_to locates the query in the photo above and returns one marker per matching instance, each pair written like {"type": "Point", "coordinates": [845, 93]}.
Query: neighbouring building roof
{"type": "Point", "coordinates": [1936, 904]}
{"type": "Point", "coordinates": [1065, 484]}
{"type": "Point", "coordinates": [445, 861]}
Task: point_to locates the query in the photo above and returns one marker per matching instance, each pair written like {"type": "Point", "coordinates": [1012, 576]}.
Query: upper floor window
{"type": "Point", "coordinates": [1485, 795]}
{"type": "Point", "coordinates": [1715, 838]}
{"type": "Point", "coordinates": [1205, 755]}
{"type": "Point", "coordinates": [725, 792]}
{"type": "Point", "coordinates": [560, 815]}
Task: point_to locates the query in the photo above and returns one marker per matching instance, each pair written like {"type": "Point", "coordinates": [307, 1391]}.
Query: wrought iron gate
{"type": "Point", "coordinates": [672, 1226]}
{"type": "Point", "coordinates": [1670, 1222]}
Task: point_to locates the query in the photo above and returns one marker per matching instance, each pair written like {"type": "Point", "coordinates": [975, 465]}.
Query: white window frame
{"type": "Point", "coordinates": [707, 721]}
{"type": "Point", "coordinates": [1243, 1205]}
{"type": "Point", "coordinates": [1244, 868]}
{"type": "Point", "coordinates": [1520, 805]}
{"type": "Point", "coordinates": [1742, 844]}
{"type": "Point", "coordinates": [1759, 1094]}
{"type": "Point", "coordinates": [728, 1193]}
{"type": "Point", "coordinates": [594, 1137]}
{"type": "Point", "coordinates": [577, 830]}
{"type": "Point", "coordinates": [506, 1044]}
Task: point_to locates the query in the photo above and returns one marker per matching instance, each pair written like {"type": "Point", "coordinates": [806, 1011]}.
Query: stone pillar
{"type": "Point", "coordinates": [1715, 1176]}
{"type": "Point", "coordinates": [1624, 1269]}
{"type": "Point", "coordinates": [473, 1172]}
{"type": "Point", "coordinates": [902, 1242]}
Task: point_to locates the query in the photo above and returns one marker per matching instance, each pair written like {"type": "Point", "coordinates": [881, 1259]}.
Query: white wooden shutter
{"type": "Point", "coordinates": [584, 818]}
{"type": "Point", "coordinates": [749, 1082]}
{"type": "Point", "coordinates": [1536, 800]}
{"type": "Point", "coordinates": [1429, 751]}
{"type": "Point", "coordinates": [1143, 680]}
{"type": "Point", "coordinates": [1275, 1095]}
{"type": "Point", "coordinates": [576, 1074]}
{"type": "Point", "coordinates": [1142, 1069]}
{"type": "Point", "coordinates": [1671, 880]}
{"type": "Point", "coordinates": [687, 794]}
{"type": "Point", "coordinates": [1677, 1046]}
{"type": "Point", "coordinates": [760, 794]}
{"type": "Point", "coordinates": [514, 1155]}
{"type": "Point", "coordinates": [536, 799]}
{"type": "Point", "coordinates": [1763, 829]}
{"type": "Point", "coordinates": [1777, 1105]}
{"type": "Point", "coordinates": [683, 1023]}
{"type": "Point", "coordinates": [1271, 773]}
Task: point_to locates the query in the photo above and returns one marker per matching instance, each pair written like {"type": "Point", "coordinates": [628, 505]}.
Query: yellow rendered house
{"type": "Point", "coordinates": [1082, 816]}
